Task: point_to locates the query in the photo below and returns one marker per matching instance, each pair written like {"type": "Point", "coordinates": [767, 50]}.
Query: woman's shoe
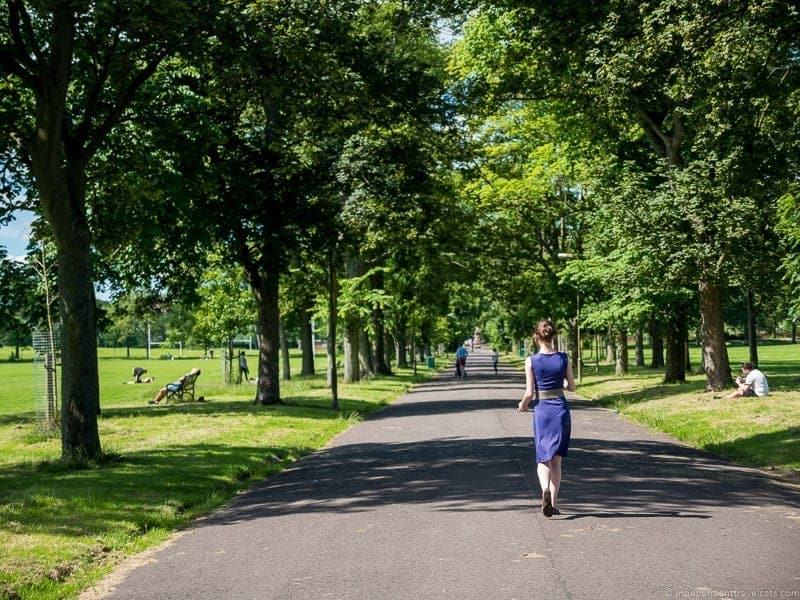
{"type": "Point", "coordinates": [556, 511]}
{"type": "Point", "coordinates": [547, 504]}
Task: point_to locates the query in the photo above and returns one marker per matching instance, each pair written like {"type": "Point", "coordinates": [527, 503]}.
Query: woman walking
{"type": "Point", "coordinates": [545, 373]}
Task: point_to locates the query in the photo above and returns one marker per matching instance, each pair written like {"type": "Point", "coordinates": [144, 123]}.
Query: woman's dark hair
{"type": "Point", "coordinates": [544, 331]}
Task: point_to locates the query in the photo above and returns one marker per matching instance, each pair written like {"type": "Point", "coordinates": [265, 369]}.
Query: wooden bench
{"type": "Point", "coordinates": [185, 391]}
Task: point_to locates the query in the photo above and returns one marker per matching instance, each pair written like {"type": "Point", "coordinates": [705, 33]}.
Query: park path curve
{"type": "Point", "coordinates": [436, 497]}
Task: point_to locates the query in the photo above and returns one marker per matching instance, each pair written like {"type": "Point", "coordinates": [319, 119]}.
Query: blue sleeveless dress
{"type": "Point", "coordinates": [552, 424]}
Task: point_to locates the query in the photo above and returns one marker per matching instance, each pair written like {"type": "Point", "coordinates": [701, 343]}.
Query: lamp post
{"type": "Point", "coordinates": [567, 256]}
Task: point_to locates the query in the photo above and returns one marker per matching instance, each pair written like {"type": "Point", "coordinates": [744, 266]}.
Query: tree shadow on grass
{"type": "Point", "coordinates": [21, 418]}
{"type": "Point", "coordinates": [646, 394]}
{"type": "Point", "coordinates": [134, 492]}
{"type": "Point", "coordinates": [308, 407]}
{"type": "Point", "coordinates": [764, 449]}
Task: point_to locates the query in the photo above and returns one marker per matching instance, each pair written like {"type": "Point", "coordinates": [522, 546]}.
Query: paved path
{"type": "Point", "coordinates": [434, 497]}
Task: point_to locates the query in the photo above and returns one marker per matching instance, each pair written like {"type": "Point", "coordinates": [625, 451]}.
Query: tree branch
{"type": "Point", "coordinates": [245, 256]}
{"type": "Point", "coordinates": [27, 29]}
{"type": "Point", "coordinates": [23, 54]}
{"type": "Point", "coordinates": [93, 99]}
{"type": "Point", "coordinates": [654, 128]}
{"type": "Point", "coordinates": [10, 65]}
{"type": "Point", "coordinates": [124, 98]}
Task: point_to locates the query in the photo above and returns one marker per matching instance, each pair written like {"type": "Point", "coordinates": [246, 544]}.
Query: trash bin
{"type": "Point", "coordinates": [522, 351]}
{"type": "Point", "coordinates": [431, 362]}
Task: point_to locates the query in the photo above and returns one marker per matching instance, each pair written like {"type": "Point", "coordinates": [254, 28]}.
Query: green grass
{"type": "Point", "coordinates": [62, 529]}
{"type": "Point", "coordinates": [758, 432]}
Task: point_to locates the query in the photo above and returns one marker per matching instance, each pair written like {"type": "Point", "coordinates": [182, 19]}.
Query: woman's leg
{"type": "Point", "coordinates": [543, 471]}
{"type": "Point", "coordinates": [555, 478]}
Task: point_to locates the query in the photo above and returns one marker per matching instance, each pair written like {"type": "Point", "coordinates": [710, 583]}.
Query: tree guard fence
{"type": "Point", "coordinates": [46, 362]}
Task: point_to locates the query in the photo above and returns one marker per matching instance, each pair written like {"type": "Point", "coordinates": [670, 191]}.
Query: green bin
{"type": "Point", "coordinates": [522, 351]}
{"type": "Point", "coordinates": [431, 362]}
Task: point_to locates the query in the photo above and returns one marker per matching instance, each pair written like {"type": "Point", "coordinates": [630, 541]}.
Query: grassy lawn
{"type": "Point", "coordinates": [62, 529]}
{"type": "Point", "coordinates": [759, 432]}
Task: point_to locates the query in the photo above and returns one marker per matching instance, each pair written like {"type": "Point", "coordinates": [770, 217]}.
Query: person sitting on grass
{"type": "Point", "coordinates": [754, 383]}
{"type": "Point", "coordinates": [172, 387]}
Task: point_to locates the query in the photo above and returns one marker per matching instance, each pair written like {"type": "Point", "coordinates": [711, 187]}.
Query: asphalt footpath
{"type": "Point", "coordinates": [436, 497]}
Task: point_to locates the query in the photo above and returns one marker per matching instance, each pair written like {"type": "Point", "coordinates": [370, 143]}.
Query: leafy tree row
{"type": "Point", "coordinates": [688, 116]}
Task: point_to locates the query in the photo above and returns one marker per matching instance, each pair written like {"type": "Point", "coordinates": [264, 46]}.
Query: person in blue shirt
{"type": "Point", "coordinates": [461, 361]}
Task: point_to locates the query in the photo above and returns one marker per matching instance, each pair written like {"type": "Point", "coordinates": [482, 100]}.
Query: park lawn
{"type": "Point", "coordinates": [16, 391]}
{"type": "Point", "coordinates": [62, 529]}
{"type": "Point", "coordinates": [758, 432]}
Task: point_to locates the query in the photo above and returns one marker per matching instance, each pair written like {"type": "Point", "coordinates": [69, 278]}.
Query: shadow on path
{"type": "Point", "coordinates": [608, 479]}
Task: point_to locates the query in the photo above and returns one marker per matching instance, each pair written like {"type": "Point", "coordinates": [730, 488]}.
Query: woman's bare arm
{"type": "Point", "coordinates": [570, 378]}
{"type": "Point", "coordinates": [526, 399]}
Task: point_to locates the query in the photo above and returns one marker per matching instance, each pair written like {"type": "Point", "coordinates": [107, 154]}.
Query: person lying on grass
{"type": "Point", "coordinates": [175, 386]}
{"type": "Point", "coordinates": [137, 373]}
{"type": "Point", "coordinates": [753, 383]}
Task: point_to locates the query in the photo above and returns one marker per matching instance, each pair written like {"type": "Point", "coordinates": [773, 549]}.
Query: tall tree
{"type": "Point", "coordinates": [71, 71]}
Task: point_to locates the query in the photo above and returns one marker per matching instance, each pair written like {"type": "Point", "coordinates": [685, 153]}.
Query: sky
{"type": "Point", "coordinates": [14, 236]}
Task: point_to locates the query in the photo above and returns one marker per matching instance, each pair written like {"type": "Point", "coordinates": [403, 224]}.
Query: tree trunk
{"type": "Point", "coordinates": [80, 400]}
{"type": "Point", "coordinates": [712, 330]}
{"type": "Point", "coordinates": [365, 355]}
{"type": "Point", "coordinates": [400, 345]}
{"type": "Point", "coordinates": [307, 341]}
{"type": "Point", "coordinates": [794, 332]}
{"type": "Point", "coordinates": [351, 339]}
{"type": "Point", "coordinates": [333, 382]}
{"type": "Point", "coordinates": [622, 353]}
{"type": "Point", "coordinates": [611, 349]}
{"type": "Point", "coordinates": [639, 347]}
{"type": "Point", "coordinates": [227, 358]}
{"type": "Point", "coordinates": [388, 349]}
{"type": "Point", "coordinates": [287, 369]}
{"type": "Point", "coordinates": [675, 365]}
{"type": "Point", "coordinates": [656, 344]}
{"type": "Point", "coordinates": [352, 330]}
{"type": "Point", "coordinates": [268, 389]}
{"type": "Point", "coordinates": [62, 192]}
{"type": "Point", "coordinates": [381, 362]}
{"type": "Point", "coordinates": [752, 338]}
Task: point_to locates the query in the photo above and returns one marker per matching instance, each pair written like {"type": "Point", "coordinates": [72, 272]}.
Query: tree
{"type": "Point", "coordinates": [72, 72]}
{"type": "Point", "coordinates": [706, 86]}
{"type": "Point", "coordinates": [226, 308]}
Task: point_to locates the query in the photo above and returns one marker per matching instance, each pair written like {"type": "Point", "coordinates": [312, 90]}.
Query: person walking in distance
{"type": "Point", "coordinates": [545, 373]}
{"type": "Point", "coordinates": [495, 359]}
{"type": "Point", "coordinates": [461, 361]}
